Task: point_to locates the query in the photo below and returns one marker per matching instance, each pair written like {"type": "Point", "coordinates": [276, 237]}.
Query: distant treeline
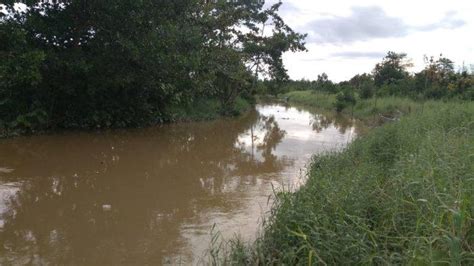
{"type": "Point", "coordinates": [84, 64]}
{"type": "Point", "coordinates": [439, 79]}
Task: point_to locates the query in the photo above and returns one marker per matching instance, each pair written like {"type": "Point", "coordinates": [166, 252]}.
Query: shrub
{"type": "Point", "coordinates": [367, 90]}
{"type": "Point", "coordinates": [344, 99]}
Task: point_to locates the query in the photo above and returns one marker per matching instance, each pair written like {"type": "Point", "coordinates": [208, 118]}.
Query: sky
{"type": "Point", "coordinates": [348, 37]}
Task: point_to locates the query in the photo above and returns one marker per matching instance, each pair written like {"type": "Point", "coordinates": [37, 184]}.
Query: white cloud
{"type": "Point", "coordinates": [351, 36]}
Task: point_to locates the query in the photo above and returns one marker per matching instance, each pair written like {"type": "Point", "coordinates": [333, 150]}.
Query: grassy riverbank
{"type": "Point", "coordinates": [372, 111]}
{"type": "Point", "coordinates": [402, 194]}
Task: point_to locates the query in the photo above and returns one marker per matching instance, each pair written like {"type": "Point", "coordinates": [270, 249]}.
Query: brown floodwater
{"type": "Point", "coordinates": [152, 196]}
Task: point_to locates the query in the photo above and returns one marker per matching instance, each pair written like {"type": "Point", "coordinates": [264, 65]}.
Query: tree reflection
{"type": "Point", "coordinates": [321, 122]}
{"type": "Point", "coordinates": [272, 137]}
{"type": "Point", "coordinates": [152, 179]}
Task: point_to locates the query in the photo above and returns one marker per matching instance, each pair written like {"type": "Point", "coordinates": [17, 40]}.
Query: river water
{"type": "Point", "coordinates": [152, 196]}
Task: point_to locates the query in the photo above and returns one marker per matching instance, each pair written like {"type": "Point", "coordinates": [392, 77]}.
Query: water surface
{"type": "Point", "coordinates": [151, 196]}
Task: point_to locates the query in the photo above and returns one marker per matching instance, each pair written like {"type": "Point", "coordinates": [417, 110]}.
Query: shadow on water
{"type": "Point", "coordinates": [150, 195]}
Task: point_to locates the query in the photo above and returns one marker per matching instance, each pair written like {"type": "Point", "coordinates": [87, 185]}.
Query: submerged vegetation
{"type": "Point", "coordinates": [402, 194]}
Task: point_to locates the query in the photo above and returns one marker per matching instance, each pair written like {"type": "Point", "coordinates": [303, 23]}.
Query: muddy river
{"type": "Point", "coordinates": [152, 196]}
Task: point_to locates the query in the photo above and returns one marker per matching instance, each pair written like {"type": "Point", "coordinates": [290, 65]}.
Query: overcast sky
{"type": "Point", "coordinates": [347, 37]}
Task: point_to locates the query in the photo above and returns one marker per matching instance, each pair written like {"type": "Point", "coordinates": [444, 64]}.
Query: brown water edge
{"type": "Point", "coordinates": [151, 196]}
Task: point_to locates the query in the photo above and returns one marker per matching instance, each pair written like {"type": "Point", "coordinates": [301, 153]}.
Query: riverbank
{"type": "Point", "coordinates": [200, 110]}
{"type": "Point", "coordinates": [402, 194]}
{"type": "Point", "coordinates": [371, 111]}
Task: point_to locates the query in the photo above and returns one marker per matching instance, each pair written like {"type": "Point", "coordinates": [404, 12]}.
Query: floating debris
{"type": "Point", "coordinates": [107, 207]}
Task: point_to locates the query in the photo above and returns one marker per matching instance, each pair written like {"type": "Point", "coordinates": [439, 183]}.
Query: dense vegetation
{"type": "Point", "coordinates": [87, 64]}
{"type": "Point", "coordinates": [403, 194]}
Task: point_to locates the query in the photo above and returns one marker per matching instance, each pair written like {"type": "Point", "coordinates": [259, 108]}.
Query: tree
{"type": "Point", "coordinates": [364, 84]}
{"type": "Point", "coordinates": [392, 69]}
{"type": "Point", "coordinates": [100, 71]}
{"type": "Point", "coordinates": [344, 99]}
{"type": "Point", "coordinates": [324, 84]}
{"type": "Point", "coordinates": [434, 81]}
{"type": "Point", "coordinates": [104, 64]}
{"type": "Point", "coordinates": [20, 72]}
{"type": "Point", "coordinates": [241, 35]}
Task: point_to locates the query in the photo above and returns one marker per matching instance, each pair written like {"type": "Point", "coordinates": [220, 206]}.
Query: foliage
{"type": "Point", "coordinates": [364, 84]}
{"type": "Point", "coordinates": [324, 84]}
{"type": "Point", "coordinates": [19, 74]}
{"type": "Point", "coordinates": [344, 99]}
{"type": "Point", "coordinates": [438, 80]}
{"type": "Point", "coordinates": [85, 64]}
{"type": "Point", "coordinates": [392, 69]}
{"type": "Point", "coordinates": [205, 109]}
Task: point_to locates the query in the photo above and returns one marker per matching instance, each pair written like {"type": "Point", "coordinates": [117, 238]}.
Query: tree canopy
{"type": "Point", "coordinates": [127, 63]}
{"type": "Point", "coordinates": [392, 69]}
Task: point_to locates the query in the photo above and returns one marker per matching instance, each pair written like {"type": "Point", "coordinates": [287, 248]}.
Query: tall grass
{"type": "Point", "coordinates": [374, 110]}
{"type": "Point", "coordinates": [402, 194]}
{"type": "Point", "coordinates": [312, 98]}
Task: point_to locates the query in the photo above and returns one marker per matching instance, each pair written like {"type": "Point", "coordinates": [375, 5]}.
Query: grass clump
{"type": "Point", "coordinates": [402, 194]}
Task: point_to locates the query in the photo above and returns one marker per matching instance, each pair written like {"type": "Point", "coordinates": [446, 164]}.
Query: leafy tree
{"type": "Point", "coordinates": [345, 98]}
{"type": "Point", "coordinates": [19, 75]}
{"type": "Point", "coordinates": [364, 84]}
{"type": "Point", "coordinates": [231, 78]}
{"type": "Point", "coordinates": [436, 78]}
{"type": "Point", "coordinates": [367, 89]}
{"type": "Point", "coordinates": [242, 28]}
{"type": "Point", "coordinates": [392, 69]}
{"type": "Point", "coordinates": [323, 83]}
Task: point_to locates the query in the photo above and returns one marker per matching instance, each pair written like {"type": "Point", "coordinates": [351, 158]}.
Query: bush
{"type": "Point", "coordinates": [344, 99]}
{"type": "Point", "coordinates": [367, 90]}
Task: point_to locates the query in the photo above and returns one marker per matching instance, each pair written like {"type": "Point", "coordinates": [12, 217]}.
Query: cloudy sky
{"type": "Point", "coordinates": [346, 37]}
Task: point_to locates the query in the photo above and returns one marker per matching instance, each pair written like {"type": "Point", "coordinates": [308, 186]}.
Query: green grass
{"type": "Point", "coordinates": [373, 111]}
{"type": "Point", "coordinates": [313, 99]}
{"type": "Point", "coordinates": [402, 194]}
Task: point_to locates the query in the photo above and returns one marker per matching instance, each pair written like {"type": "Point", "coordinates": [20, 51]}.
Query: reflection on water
{"type": "Point", "coordinates": [151, 195]}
